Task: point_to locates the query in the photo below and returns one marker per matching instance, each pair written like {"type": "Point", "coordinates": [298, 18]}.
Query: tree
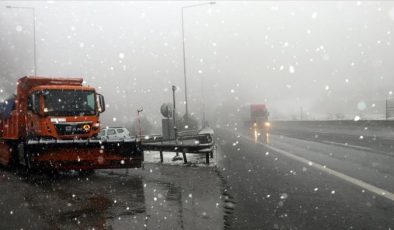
{"type": "Point", "coordinates": [189, 123]}
{"type": "Point", "coordinates": [146, 126]}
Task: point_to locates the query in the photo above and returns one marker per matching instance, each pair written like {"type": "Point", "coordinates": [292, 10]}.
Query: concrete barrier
{"type": "Point", "coordinates": [383, 128]}
{"type": "Point", "coordinates": [340, 123]}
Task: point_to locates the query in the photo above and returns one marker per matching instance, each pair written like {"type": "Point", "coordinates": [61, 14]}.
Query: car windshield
{"type": "Point", "coordinates": [69, 102]}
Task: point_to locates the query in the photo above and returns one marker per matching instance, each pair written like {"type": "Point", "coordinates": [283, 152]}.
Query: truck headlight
{"type": "Point", "coordinates": [267, 124]}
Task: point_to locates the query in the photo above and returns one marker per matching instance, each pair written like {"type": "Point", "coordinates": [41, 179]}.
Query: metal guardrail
{"type": "Point", "coordinates": [148, 138]}
{"type": "Point", "coordinates": [193, 141]}
{"type": "Point", "coordinates": [371, 123]}
{"type": "Point", "coordinates": [188, 133]}
{"type": "Point", "coordinates": [189, 142]}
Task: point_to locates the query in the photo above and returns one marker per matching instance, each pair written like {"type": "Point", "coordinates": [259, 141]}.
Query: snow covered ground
{"type": "Point", "coordinates": [194, 159]}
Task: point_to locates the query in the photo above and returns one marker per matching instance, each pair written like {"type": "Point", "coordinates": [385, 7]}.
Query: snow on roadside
{"type": "Point", "coordinates": [176, 198]}
{"type": "Point", "coordinates": [193, 158]}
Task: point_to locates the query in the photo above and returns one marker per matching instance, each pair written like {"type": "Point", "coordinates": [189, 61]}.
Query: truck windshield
{"type": "Point", "coordinates": [259, 113]}
{"type": "Point", "coordinates": [69, 102]}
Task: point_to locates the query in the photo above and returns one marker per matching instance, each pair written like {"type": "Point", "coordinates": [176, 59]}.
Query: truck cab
{"type": "Point", "coordinates": [54, 108]}
{"type": "Point", "coordinates": [50, 124]}
{"type": "Point", "coordinates": [63, 112]}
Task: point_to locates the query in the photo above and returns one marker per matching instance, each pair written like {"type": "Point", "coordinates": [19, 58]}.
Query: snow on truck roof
{"type": "Point", "coordinates": [32, 81]}
{"type": "Point", "coordinates": [258, 107]}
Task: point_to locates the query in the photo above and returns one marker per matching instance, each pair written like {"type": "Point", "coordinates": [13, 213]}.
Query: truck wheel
{"type": "Point", "coordinates": [21, 153]}
{"type": "Point", "coordinates": [28, 161]}
{"type": "Point", "coordinates": [23, 159]}
{"type": "Point", "coordinates": [24, 156]}
{"type": "Point", "coordinates": [14, 157]}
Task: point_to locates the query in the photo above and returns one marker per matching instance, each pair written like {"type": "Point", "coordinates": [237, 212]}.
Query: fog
{"type": "Point", "coordinates": [328, 59]}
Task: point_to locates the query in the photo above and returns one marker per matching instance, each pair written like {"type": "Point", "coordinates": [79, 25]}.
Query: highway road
{"type": "Point", "coordinates": [303, 180]}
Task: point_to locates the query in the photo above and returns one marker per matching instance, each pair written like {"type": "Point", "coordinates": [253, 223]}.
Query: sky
{"type": "Point", "coordinates": [328, 59]}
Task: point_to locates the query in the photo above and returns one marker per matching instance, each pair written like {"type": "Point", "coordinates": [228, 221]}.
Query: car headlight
{"type": "Point", "coordinates": [267, 124]}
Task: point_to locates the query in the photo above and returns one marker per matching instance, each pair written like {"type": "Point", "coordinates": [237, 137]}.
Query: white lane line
{"type": "Point", "coordinates": [360, 183]}
{"type": "Point", "coordinates": [347, 145]}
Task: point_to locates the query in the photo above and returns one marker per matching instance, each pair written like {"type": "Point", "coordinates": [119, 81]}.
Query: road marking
{"type": "Point", "coordinates": [370, 150]}
{"type": "Point", "coordinates": [328, 142]}
{"type": "Point", "coordinates": [357, 182]}
{"type": "Point", "coordinates": [347, 145]}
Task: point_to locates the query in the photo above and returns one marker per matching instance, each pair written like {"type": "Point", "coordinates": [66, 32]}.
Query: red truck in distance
{"type": "Point", "coordinates": [259, 124]}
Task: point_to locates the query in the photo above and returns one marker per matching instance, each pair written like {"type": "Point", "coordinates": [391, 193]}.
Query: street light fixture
{"type": "Point", "coordinates": [184, 58]}
{"type": "Point", "coordinates": [34, 31]}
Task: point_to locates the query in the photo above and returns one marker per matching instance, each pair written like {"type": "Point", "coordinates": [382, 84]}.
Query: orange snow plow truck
{"type": "Point", "coordinates": [53, 123]}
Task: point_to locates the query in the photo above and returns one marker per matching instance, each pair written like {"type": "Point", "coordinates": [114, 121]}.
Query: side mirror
{"type": "Point", "coordinates": [30, 103]}
{"type": "Point", "coordinates": [34, 103]}
{"type": "Point", "coordinates": [101, 107]}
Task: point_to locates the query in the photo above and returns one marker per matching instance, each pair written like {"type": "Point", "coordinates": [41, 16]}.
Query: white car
{"type": "Point", "coordinates": [114, 133]}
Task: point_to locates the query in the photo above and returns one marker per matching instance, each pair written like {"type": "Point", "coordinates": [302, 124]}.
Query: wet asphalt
{"type": "Point", "coordinates": [156, 197]}
{"type": "Point", "coordinates": [252, 187]}
{"type": "Point", "coordinates": [271, 191]}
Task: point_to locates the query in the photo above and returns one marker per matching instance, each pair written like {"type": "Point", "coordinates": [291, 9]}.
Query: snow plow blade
{"type": "Point", "coordinates": [82, 154]}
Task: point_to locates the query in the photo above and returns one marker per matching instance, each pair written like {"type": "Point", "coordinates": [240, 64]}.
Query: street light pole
{"type": "Point", "coordinates": [174, 114]}
{"type": "Point", "coordinates": [34, 32]}
{"type": "Point", "coordinates": [139, 121]}
{"type": "Point", "coordinates": [184, 70]}
{"type": "Point", "coordinates": [184, 56]}
{"type": "Point", "coordinates": [203, 102]}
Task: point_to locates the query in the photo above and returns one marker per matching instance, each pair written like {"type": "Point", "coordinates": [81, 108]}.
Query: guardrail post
{"type": "Point", "coordinates": [184, 157]}
{"type": "Point", "coordinates": [161, 156]}
{"type": "Point", "coordinates": [207, 158]}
